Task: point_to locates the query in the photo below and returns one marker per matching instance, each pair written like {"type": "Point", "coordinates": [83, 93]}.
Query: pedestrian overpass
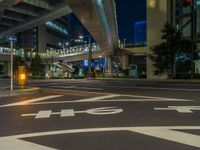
{"type": "Point", "coordinates": [98, 16]}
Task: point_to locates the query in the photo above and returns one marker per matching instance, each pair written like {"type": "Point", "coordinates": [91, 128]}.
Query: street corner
{"type": "Point", "coordinates": [20, 92]}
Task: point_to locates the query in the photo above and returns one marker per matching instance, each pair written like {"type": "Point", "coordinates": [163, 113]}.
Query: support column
{"type": "Point", "coordinates": [110, 65]}
{"type": "Point", "coordinates": [157, 16]}
{"type": "Point", "coordinates": [124, 62]}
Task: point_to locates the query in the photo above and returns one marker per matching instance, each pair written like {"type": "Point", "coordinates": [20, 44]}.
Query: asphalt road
{"type": "Point", "coordinates": [102, 115]}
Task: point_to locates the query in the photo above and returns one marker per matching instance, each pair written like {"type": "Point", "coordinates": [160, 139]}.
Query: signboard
{"type": "Point", "coordinates": [12, 39]}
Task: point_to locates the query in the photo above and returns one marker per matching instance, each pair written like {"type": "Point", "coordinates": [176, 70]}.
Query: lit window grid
{"type": "Point", "coordinates": [57, 27]}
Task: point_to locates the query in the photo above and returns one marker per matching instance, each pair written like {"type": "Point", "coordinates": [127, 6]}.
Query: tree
{"type": "Point", "coordinates": [166, 55]}
{"type": "Point", "coordinates": [37, 66]}
{"type": "Point", "coordinates": [18, 61]}
{"type": "Point", "coordinates": [1, 69]}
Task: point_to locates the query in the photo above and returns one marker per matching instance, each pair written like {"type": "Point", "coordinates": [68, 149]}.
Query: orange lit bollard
{"type": "Point", "coordinates": [21, 76]}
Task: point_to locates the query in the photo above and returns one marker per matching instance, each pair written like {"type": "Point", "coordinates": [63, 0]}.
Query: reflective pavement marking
{"type": "Point", "coordinates": [71, 112]}
{"type": "Point", "coordinates": [181, 109]}
{"type": "Point", "coordinates": [31, 101]}
{"type": "Point", "coordinates": [161, 132]}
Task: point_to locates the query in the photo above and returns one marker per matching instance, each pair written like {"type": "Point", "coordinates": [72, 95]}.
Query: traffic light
{"type": "Point", "coordinates": [186, 3]}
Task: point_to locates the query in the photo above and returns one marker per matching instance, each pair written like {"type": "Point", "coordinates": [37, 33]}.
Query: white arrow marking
{"type": "Point", "coordinates": [181, 109]}
{"type": "Point", "coordinates": [161, 132]}
{"type": "Point", "coordinates": [31, 101]}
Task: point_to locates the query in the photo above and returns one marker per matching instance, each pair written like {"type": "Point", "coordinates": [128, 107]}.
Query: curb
{"type": "Point", "coordinates": [27, 91]}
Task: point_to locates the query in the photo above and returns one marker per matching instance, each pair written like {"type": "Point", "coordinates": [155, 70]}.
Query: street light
{"type": "Point", "coordinates": [89, 55]}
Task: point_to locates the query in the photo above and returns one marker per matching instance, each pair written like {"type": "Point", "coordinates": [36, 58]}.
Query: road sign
{"type": "Point", "coordinates": [12, 39]}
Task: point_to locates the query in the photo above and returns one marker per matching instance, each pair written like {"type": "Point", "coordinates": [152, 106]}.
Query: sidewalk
{"type": "Point", "coordinates": [5, 92]}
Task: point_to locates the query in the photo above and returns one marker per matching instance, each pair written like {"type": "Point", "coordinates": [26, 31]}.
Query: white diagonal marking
{"type": "Point", "coordinates": [171, 135]}
{"type": "Point", "coordinates": [17, 144]}
{"type": "Point", "coordinates": [98, 98]}
{"type": "Point", "coordinates": [31, 101]}
{"type": "Point", "coordinates": [162, 132]}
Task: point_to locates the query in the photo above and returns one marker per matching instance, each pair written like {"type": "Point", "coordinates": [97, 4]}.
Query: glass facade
{"type": "Point", "coordinates": [183, 17]}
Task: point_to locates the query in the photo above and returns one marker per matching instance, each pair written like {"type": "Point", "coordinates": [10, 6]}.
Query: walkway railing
{"type": "Point", "coordinates": [7, 51]}
{"type": "Point", "coordinates": [72, 51]}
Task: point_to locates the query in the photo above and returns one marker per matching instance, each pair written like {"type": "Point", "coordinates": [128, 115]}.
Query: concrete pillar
{"type": "Point", "coordinates": [110, 65]}
{"type": "Point", "coordinates": [157, 16]}
{"type": "Point", "coordinates": [124, 60]}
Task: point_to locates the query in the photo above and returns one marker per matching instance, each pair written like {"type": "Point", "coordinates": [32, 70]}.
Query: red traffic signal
{"type": "Point", "coordinates": [186, 3]}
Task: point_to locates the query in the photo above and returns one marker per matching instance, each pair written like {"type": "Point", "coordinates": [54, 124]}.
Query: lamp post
{"type": "Point", "coordinates": [89, 55]}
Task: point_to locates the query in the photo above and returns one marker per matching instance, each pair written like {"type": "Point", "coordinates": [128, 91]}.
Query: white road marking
{"type": "Point", "coordinates": [78, 87]}
{"type": "Point", "coordinates": [18, 144]}
{"type": "Point", "coordinates": [181, 109]}
{"type": "Point", "coordinates": [161, 132]}
{"type": "Point", "coordinates": [67, 113]}
{"type": "Point", "coordinates": [139, 96]}
{"type": "Point", "coordinates": [70, 112]}
{"type": "Point", "coordinates": [43, 114]}
{"type": "Point", "coordinates": [109, 100]}
{"type": "Point", "coordinates": [153, 88]}
{"type": "Point", "coordinates": [31, 101]}
{"type": "Point", "coordinates": [98, 98]}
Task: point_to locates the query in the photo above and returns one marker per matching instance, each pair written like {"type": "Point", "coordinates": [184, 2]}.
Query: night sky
{"type": "Point", "coordinates": [129, 11]}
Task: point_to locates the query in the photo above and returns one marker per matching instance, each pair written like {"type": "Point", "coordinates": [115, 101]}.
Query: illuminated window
{"type": "Point", "coordinates": [57, 27]}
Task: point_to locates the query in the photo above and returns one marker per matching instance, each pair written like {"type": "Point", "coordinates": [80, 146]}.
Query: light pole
{"type": "Point", "coordinates": [11, 39]}
{"type": "Point", "coordinates": [89, 55]}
